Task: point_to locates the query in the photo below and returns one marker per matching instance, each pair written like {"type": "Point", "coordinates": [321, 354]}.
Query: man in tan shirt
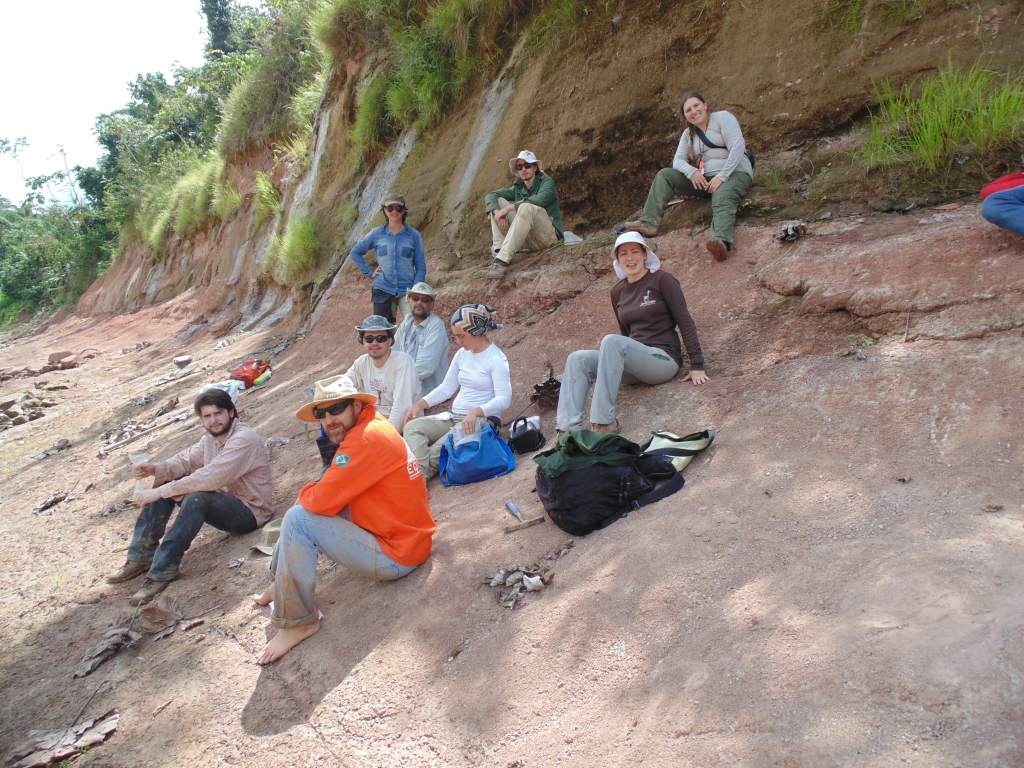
{"type": "Point", "coordinates": [223, 480]}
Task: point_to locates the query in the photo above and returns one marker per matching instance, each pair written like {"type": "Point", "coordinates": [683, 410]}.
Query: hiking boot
{"type": "Point", "coordinates": [150, 589]}
{"type": "Point", "coordinates": [719, 250]}
{"type": "Point", "coordinates": [498, 269]}
{"type": "Point", "coordinates": [605, 429]}
{"type": "Point", "coordinates": [128, 571]}
{"type": "Point", "coordinates": [645, 228]}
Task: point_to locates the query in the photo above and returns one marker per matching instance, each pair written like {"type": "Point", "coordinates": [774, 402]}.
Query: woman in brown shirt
{"type": "Point", "coordinates": [649, 305]}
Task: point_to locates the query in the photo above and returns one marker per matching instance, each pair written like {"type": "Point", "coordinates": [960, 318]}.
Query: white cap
{"type": "Point", "coordinates": [525, 155]}
{"type": "Point", "coordinates": [651, 260]}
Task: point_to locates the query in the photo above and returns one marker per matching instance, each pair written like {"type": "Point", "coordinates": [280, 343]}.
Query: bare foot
{"type": "Point", "coordinates": [285, 640]}
{"type": "Point", "coordinates": [266, 597]}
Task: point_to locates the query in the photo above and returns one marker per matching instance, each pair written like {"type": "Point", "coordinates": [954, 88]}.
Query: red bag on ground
{"type": "Point", "coordinates": [1012, 181]}
{"type": "Point", "coordinates": [249, 371]}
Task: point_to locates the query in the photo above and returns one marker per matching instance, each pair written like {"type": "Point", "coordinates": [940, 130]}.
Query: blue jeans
{"type": "Point", "coordinates": [1005, 209]}
{"type": "Point", "coordinates": [221, 510]}
{"type": "Point", "coordinates": [303, 536]}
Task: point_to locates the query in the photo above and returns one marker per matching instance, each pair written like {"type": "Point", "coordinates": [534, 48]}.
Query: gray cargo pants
{"type": "Point", "coordinates": [621, 360]}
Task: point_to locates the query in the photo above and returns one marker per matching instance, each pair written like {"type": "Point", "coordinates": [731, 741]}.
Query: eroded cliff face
{"type": "Point", "coordinates": [601, 110]}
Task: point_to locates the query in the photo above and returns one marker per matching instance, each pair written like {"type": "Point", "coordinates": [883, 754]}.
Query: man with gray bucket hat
{"type": "Point", "coordinates": [424, 337]}
{"type": "Point", "coordinates": [523, 216]}
{"type": "Point", "coordinates": [388, 373]}
{"type": "Point", "coordinates": [369, 512]}
{"type": "Point", "coordinates": [401, 260]}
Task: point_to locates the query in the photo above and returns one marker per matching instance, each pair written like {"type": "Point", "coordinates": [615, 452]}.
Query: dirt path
{"type": "Point", "coordinates": [839, 583]}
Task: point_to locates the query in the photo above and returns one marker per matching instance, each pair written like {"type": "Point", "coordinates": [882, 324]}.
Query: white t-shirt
{"type": "Point", "coordinates": [395, 384]}
{"type": "Point", "coordinates": [482, 380]}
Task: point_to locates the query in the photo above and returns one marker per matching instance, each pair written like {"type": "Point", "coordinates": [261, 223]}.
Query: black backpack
{"type": "Point", "coordinates": [598, 479]}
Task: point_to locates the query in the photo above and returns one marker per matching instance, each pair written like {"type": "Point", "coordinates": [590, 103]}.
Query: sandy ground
{"type": "Point", "coordinates": [839, 583]}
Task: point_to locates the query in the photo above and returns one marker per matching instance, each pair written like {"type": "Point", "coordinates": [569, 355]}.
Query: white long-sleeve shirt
{"type": "Point", "coordinates": [723, 130]}
{"type": "Point", "coordinates": [482, 380]}
{"type": "Point", "coordinates": [395, 384]}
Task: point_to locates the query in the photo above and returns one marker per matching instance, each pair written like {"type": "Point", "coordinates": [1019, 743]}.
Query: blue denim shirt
{"type": "Point", "coordinates": [401, 258]}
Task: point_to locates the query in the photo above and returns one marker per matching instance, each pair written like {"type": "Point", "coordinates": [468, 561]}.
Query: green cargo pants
{"type": "Point", "coordinates": [670, 183]}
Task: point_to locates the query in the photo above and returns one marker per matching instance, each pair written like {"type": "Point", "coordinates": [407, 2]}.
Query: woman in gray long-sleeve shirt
{"type": "Point", "coordinates": [711, 161]}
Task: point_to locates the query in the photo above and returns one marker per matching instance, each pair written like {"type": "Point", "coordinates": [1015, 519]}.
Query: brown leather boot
{"type": "Point", "coordinates": [644, 228]}
{"type": "Point", "coordinates": [128, 571]}
{"type": "Point", "coordinates": [150, 589]}
{"type": "Point", "coordinates": [605, 429]}
{"type": "Point", "coordinates": [719, 250]}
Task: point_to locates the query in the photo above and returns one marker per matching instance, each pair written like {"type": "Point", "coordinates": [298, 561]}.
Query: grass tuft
{"type": "Point", "coordinates": [299, 246]}
{"type": "Point", "coordinates": [957, 113]}
{"type": "Point", "coordinates": [268, 201]}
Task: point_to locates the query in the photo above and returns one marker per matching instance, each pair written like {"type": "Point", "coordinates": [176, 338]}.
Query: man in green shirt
{"type": "Point", "coordinates": [525, 215]}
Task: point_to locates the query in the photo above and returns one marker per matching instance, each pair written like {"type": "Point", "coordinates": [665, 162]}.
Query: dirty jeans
{"type": "Point", "coordinates": [426, 436]}
{"type": "Point", "coordinates": [384, 304]}
{"type": "Point", "coordinates": [1005, 209]}
{"type": "Point", "coordinates": [529, 228]}
{"type": "Point", "coordinates": [221, 510]}
{"type": "Point", "coordinates": [621, 360]}
{"type": "Point", "coordinates": [303, 536]}
{"type": "Point", "coordinates": [725, 201]}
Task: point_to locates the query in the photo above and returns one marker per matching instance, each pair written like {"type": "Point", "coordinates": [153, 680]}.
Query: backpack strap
{"type": "Point", "coordinates": [675, 451]}
{"type": "Point", "coordinates": [703, 137]}
{"type": "Point", "coordinates": [666, 490]}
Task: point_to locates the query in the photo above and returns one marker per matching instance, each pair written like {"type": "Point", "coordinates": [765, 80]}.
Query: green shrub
{"type": "Point", "coordinates": [256, 113]}
{"type": "Point", "coordinates": [373, 124]}
{"type": "Point", "coordinates": [956, 113]}
{"type": "Point", "coordinates": [299, 245]}
{"type": "Point", "coordinates": [268, 201]}
{"type": "Point", "coordinates": [226, 198]}
{"type": "Point", "coordinates": [10, 309]}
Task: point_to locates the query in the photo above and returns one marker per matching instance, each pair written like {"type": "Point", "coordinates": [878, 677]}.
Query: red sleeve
{"type": "Point", "coordinates": [1012, 181]}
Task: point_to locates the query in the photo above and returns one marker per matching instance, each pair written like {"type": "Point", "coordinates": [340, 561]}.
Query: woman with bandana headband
{"type": "Point", "coordinates": [478, 372]}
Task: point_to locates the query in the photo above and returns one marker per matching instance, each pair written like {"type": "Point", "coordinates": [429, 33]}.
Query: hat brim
{"type": "Point", "coordinates": [305, 413]}
{"type": "Point", "coordinates": [651, 260]}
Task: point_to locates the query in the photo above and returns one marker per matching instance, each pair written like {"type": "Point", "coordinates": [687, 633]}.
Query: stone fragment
{"type": "Point", "coordinates": [69, 362]}
{"type": "Point", "coordinates": [55, 357]}
{"type": "Point", "coordinates": [19, 420]}
{"type": "Point", "coordinates": [48, 368]}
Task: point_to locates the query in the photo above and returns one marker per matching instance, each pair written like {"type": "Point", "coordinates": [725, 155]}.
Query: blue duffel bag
{"type": "Point", "coordinates": [472, 458]}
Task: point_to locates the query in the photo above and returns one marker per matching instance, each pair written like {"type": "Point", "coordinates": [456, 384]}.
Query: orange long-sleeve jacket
{"type": "Point", "coordinates": [378, 478]}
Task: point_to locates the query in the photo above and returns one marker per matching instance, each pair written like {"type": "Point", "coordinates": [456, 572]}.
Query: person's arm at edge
{"type": "Point", "coordinates": [407, 392]}
{"type": "Point", "coordinates": [358, 253]}
{"type": "Point", "coordinates": [180, 465]}
{"type": "Point", "coordinates": [429, 354]}
{"type": "Point", "coordinates": [234, 460]}
{"type": "Point", "coordinates": [447, 388]}
{"type": "Point", "coordinates": [419, 259]}
{"type": "Point", "coordinates": [491, 200]}
{"type": "Point", "coordinates": [730, 128]}
{"type": "Point", "coordinates": [676, 302]}
{"type": "Point", "coordinates": [501, 381]}
{"type": "Point", "coordinates": [623, 330]}
{"type": "Point", "coordinates": [679, 161]}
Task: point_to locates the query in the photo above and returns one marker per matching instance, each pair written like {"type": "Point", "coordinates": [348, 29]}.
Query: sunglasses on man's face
{"type": "Point", "coordinates": [421, 299]}
{"type": "Point", "coordinates": [395, 208]}
{"type": "Point", "coordinates": [335, 410]}
{"type": "Point", "coordinates": [379, 339]}
{"type": "Point", "coordinates": [520, 166]}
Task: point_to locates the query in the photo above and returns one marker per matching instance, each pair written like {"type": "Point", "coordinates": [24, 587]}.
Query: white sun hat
{"type": "Point", "coordinates": [526, 156]}
{"type": "Point", "coordinates": [651, 260]}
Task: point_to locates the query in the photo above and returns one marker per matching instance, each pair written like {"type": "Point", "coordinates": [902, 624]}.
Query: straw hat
{"type": "Point", "coordinates": [330, 391]}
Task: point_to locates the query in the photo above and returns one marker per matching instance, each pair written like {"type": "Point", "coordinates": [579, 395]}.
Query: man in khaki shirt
{"type": "Point", "coordinates": [223, 480]}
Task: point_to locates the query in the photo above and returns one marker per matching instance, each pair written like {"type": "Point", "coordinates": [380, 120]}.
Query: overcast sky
{"type": "Point", "coordinates": [63, 63]}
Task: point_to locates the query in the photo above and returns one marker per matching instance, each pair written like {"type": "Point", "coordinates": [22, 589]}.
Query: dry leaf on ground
{"type": "Point", "coordinates": [46, 747]}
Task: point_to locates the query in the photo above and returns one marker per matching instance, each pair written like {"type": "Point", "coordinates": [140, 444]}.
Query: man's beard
{"type": "Point", "coordinates": [224, 431]}
{"type": "Point", "coordinates": [336, 436]}
{"type": "Point", "coordinates": [421, 313]}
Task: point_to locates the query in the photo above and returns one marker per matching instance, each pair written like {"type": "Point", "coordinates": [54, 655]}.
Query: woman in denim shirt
{"type": "Point", "coordinates": [401, 262]}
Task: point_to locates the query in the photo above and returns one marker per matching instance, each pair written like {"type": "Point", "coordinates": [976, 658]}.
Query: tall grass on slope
{"type": "Point", "coordinates": [295, 251]}
{"type": "Point", "coordinates": [956, 113]}
{"type": "Point", "coordinates": [268, 201]}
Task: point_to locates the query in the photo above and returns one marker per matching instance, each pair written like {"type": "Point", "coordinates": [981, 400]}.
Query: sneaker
{"type": "Point", "coordinates": [150, 589]}
{"type": "Point", "coordinates": [719, 250]}
{"type": "Point", "coordinates": [498, 269]}
{"type": "Point", "coordinates": [128, 571]}
{"type": "Point", "coordinates": [605, 429]}
{"type": "Point", "coordinates": [645, 228]}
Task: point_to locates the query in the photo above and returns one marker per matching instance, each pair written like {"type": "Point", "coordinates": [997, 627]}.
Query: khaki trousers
{"type": "Point", "coordinates": [529, 228]}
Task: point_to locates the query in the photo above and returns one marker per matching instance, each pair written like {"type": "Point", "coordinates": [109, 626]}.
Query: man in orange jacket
{"type": "Point", "coordinates": [368, 512]}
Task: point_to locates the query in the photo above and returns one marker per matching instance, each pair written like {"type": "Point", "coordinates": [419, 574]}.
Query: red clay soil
{"type": "Point", "coordinates": [839, 583]}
